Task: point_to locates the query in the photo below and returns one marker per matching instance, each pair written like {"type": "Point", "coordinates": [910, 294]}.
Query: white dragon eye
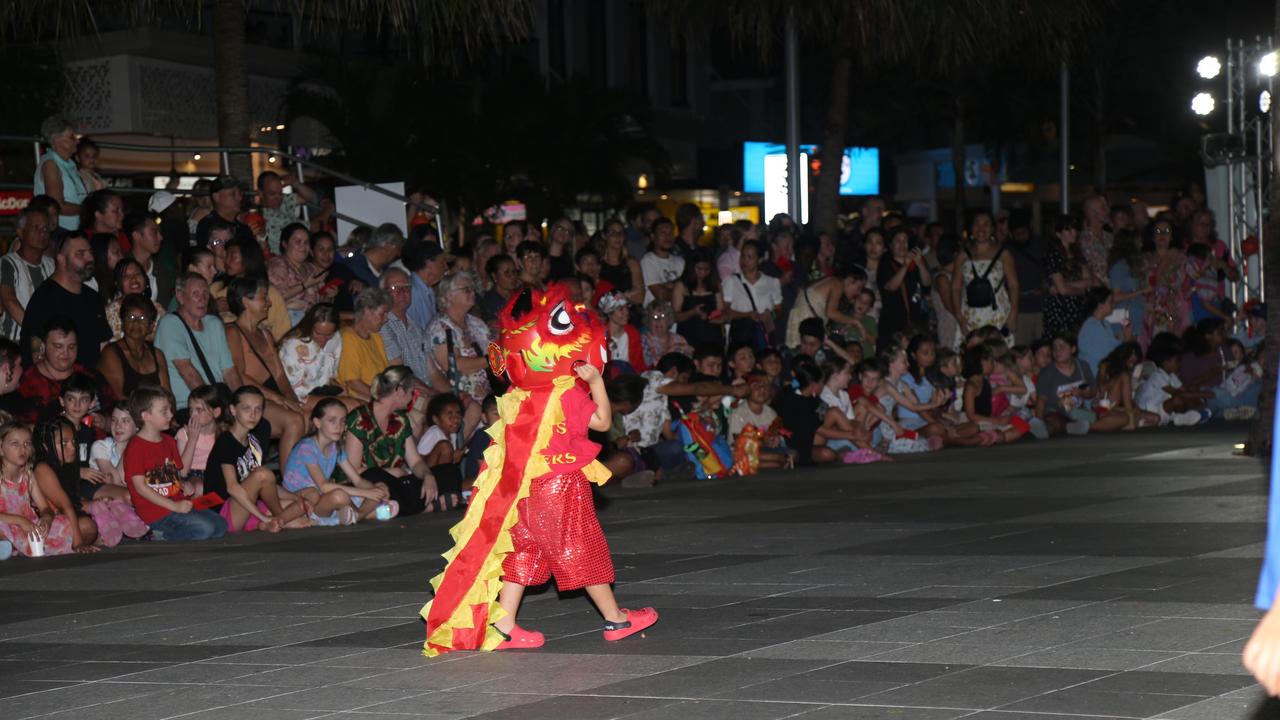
{"type": "Point", "coordinates": [560, 323]}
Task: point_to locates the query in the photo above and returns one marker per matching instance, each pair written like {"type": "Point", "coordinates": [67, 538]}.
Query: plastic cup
{"type": "Point", "coordinates": [35, 544]}
{"type": "Point", "coordinates": [383, 512]}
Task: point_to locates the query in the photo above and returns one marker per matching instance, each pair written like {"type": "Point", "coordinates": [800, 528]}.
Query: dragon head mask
{"type": "Point", "coordinates": [544, 335]}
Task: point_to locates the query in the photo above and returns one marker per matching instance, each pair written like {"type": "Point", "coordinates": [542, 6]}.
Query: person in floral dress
{"type": "Point", "coordinates": [24, 509]}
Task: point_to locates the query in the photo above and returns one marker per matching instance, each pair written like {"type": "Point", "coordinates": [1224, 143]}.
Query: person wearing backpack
{"type": "Point", "coordinates": [984, 286]}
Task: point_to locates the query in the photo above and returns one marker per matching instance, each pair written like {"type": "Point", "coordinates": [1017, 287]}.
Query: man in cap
{"type": "Point", "coordinates": [227, 198]}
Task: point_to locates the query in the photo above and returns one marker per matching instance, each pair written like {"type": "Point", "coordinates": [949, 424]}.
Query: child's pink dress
{"type": "Point", "coordinates": [15, 499]}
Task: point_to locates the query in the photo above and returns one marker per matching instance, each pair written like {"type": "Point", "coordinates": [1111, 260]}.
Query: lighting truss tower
{"type": "Point", "coordinates": [1244, 151]}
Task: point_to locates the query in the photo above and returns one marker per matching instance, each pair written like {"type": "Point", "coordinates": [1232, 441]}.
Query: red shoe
{"type": "Point", "coordinates": [636, 621]}
{"type": "Point", "coordinates": [520, 639]}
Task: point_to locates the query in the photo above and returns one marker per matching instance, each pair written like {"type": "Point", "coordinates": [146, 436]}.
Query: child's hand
{"type": "Point", "coordinates": [183, 507]}
{"type": "Point", "coordinates": [587, 373]}
{"type": "Point", "coordinates": [26, 526]}
{"type": "Point", "coordinates": [458, 455]}
{"type": "Point", "coordinates": [97, 477]}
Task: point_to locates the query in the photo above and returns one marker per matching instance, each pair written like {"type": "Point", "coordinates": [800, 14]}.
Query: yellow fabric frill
{"type": "Point", "coordinates": [488, 580]}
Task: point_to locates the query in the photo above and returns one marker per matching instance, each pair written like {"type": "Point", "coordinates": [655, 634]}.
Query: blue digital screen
{"type": "Point", "coordinates": [862, 176]}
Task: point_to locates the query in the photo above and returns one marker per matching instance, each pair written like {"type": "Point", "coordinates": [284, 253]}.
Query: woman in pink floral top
{"type": "Point", "coordinates": [292, 275]}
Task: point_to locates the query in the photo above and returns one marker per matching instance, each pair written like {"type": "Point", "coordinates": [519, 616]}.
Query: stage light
{"type": "Point", "coordinates": [1267, 65]}
{"type": "Point", "coordinates": [196, 156]}
{"type": "Point", "coordinates": [1202, 103]}
{"type": "Point", "coordinates": [1264, 101]}
{"type": "Point", "coordinates": [1209, 67]}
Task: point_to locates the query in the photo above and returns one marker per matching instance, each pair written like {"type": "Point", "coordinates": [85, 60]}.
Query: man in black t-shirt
{"type": "Point", "coordinates": [227, 197]}
{"type": "Point", "coordinates": [64, 293]}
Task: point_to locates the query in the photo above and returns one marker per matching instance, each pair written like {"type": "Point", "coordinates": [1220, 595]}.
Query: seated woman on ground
{"type": "Point", "coordinates": [309, 472]}
{"type": "Point", "coordinates": [251, 497]}
{"type": "Point", "coordinates": [1115, 385]}
{"type": "Point", "coordinates": [28, 514]}
{"type": "Point", "coordinates": [207, 416]}
{"type": "Point", "coordinates": [253, 350]}
{"type": "Point", "coordinates": [380, 445]}
{"type": "Point", "coordinates": [133, 360]}
{"type": "Point", "coordinates": [442, 447]}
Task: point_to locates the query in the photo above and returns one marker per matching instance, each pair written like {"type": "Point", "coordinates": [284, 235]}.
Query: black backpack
{"type": "Point", "coordinates": [978, 292]}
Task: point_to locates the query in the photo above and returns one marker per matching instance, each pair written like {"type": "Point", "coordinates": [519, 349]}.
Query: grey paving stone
{"type": "Point", "coordinates": [1105, 576]}
{"type": "Point", "coordinates": [1082, 701]}
{"type": "Point", "coordinates": [983, 688]}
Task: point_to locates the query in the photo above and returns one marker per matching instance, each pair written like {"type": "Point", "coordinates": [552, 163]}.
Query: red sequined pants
{"type": "Point", "coordinates": [558, 534]}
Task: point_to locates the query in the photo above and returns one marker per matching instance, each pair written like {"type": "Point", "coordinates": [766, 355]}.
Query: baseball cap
{"type": "Point", "coordinates": [160, 201]}
{"type": "Point", "coordinates": [612, 301]}
{"type": "Point", "coordinates": [224, 182]}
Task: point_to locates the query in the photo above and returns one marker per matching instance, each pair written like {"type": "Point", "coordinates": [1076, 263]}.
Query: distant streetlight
{"type": "Point", "coordinates": [1267, 65]}
{"type": "Point", "coordinates": [1202, 103]}
{"type": "Point", "coordinates": [196, 156]}
{"type": "Point", "coordinates": [1264, 101]}
{"type": "Point", "coordinates": [1209, 67]}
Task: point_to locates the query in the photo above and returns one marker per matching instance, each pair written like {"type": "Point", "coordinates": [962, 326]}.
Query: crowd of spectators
{"type": "Point", "coordinates": [238, 372]}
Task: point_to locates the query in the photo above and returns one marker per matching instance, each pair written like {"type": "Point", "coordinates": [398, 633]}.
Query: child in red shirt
{"type": "Point", "coordinates": [152, 467]}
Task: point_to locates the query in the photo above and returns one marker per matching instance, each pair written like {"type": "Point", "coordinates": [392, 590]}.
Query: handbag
{"type": "Point", "coordinates": [978, 292]}
{"type": "Point", "coordinates": [748, 330]}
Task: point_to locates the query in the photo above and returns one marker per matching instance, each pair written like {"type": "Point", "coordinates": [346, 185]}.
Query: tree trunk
{"type": "Point", "coordinates": [957, 159]}
{"type": "Point", "coordinates": [231, 79]}
{"type": "Point", "coordinates": [1260, 437]}
{"type": "Point", "coordinates": [826, 200]}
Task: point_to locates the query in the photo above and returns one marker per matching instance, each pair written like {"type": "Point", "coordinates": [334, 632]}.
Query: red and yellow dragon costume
{"type": "Point", "coordinates": [544, 335]}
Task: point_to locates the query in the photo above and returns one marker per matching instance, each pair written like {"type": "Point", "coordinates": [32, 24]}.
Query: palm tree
{"type": "Point", "coordinates": [947, 42]}
{"type": "Point", "coordinates": [436, 28]}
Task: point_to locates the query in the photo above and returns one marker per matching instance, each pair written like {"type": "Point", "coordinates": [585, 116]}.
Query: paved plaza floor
{"type": "Point", "coordinates": [1097, 577]}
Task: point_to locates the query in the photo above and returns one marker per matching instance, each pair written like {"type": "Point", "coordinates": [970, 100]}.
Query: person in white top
{"type": "Point", "coordinates": [661, 267]}
{"type": "Point", "coordinates": [22, 270]}
{"type": "Point", "coordinates": [751, 294]}
{"type": "Point", "coordinates": [1161, 393]}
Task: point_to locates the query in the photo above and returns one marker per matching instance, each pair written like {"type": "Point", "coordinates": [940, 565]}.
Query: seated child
{"type": "Point", "coordinates": [1162, 392]}
{"type": "Point", "coordinates": [439, 449]}
{"type": "Point", "coordinates": [152, 465]}
{"type": "Point", "coordinates": [979, 400]}
{"type": "Point", "coordinates": [479, 441]}
{"type": "Point", "coordinates": [800, 412]}
{"type": "Point", "coordinates": [755, 412]}
{"type": "Point", "coordinates": [251, 496]}
{"type": "Point", "coordinates": [29, 520]}
{"type": "Point", "coordinates": [106, 454]}
{"type": "Point", "coordinates": [76, 400]}
{"type": "Point", "coordinates": [848, 425]}
{"type": "Point", "coordinates": [311, 464]}
{"type": "Point", "coordinates": [206, 413]}
{"type": "Point", "coordinates": [58, 472]}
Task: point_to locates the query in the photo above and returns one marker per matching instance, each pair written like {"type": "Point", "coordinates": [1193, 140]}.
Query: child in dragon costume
{"type": "Point", "coordinates": [531, 514]}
